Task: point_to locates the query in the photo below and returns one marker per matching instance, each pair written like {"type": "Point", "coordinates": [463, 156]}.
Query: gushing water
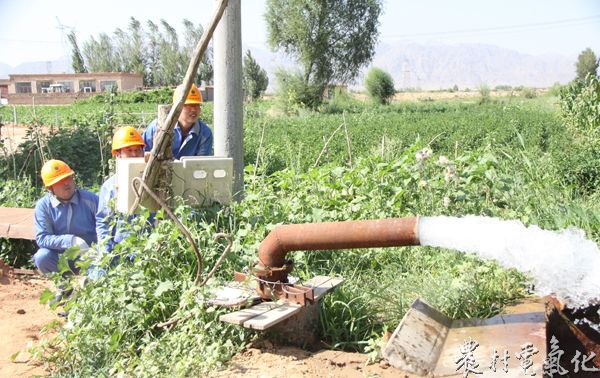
{"type": "Point", "coordinates": [561, 262]}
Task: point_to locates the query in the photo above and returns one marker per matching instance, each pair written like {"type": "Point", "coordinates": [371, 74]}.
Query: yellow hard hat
{"type": "Point", "coordinates": [125, 137]}
{"type": "Point", "coordinates": [54, 171]}
{"type": "Point", "coordinates": [194, 96]}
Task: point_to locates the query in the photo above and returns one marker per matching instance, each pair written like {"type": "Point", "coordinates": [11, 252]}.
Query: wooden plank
{"type": "Point", "coordinates": [16, 223]}
{"type": "Point", "coordinates": [272, 317]}
{"type": "Point", "coordinates": [239, 317]}
{"type": "Point", "coordinates": [322, 285]}
{"type": "Point", "coordinates": [267, 314]}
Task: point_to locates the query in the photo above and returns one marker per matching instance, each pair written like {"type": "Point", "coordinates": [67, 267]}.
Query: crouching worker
{"type": "Point", "coordinates": [63, 218]}
{"type": "Point", "coordinates": [126, 143]}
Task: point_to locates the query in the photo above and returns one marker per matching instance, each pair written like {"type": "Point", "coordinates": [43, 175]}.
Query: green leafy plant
{"type": "Point", "coordinates": [500, 159]}
{"type": "Point", "coordinates": [580, 109]}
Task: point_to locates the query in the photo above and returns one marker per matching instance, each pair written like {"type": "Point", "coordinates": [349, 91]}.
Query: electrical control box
{"type": "Point", "coordinates": [199, 180]}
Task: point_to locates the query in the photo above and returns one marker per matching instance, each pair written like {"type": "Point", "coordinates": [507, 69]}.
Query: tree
{"type": "Point", "coordinates": [153, 55]}
{"type": "Point", "coordinates": [76, 57]}
{"type": "Point", "coordinates": [255, 79]}
{"type": "Point", "coordinates": [157, 53]}
{"type": "Point", "coordinates": [171, 72]}
{"type": "Point", "coordinates": [330, 39]}
{"type": "Point", "coordinates": [129, 49]}
{"type": "Point", "coordinates": [100, 55]}
{"type": "Point", "coordinates": [380, 85]}
{"type": "Point", "coordinates": [191, 36]}
{"type": "Point", "coordinates": [587, 63]}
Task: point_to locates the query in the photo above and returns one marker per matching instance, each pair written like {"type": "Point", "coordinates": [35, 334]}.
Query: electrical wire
{"type": "Point", "coordinates": [508, 28]}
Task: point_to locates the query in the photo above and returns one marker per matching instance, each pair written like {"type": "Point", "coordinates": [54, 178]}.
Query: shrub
{"type": "Point", "coordinates": [380, 85]}
{"type": "Point", "coordinates": [340, 102]}
{"type": "Point", "coordinates": [484, 93]}
{"type": "Point", "coordinates": [503, 87]}
{"type": "Point", "coordinates": [554, 90]}
{"type": "Point", "coordinates": [154, 96]}
{"type": "Point", "coordinates": [293, 93]}
{"type": "Point", "coordinates": [580, 109]}
{"type": "Point", "coordinates": [580, 169]}
{"type": "Point", "coordinates": [529, 93]}
{"type": "Point", "coordinates": [79, 146]}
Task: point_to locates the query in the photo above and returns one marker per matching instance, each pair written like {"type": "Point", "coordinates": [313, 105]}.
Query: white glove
{"type": "Point", "coordinates": [79, 242]}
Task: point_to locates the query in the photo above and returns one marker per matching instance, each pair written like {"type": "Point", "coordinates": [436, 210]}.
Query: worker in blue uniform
{"type": "Point", "coordinates": [126, 143]}
{"type": "Point", "coordinates": [192, 137]}
{"type": "Point", "coordinates": [63, 218]}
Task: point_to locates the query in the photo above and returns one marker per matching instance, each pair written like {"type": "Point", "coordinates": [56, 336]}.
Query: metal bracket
{"type": "Point", "coordinates": [296, 294]}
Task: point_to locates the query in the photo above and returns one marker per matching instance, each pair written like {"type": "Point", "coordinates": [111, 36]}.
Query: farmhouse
{"type": "Point", "coordinates": [65, 88]}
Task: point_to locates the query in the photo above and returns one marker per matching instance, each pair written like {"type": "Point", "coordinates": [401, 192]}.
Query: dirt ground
{"type": "Point", "coordinates": [269, 361]}
{"type": "Point", "coordinates": [11, 136]}
{"type": "Point", "coordinates": [22, 318]}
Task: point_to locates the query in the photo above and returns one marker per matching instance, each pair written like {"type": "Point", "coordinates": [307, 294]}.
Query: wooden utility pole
{"type": "Point", "coordinates": [163, 139]}
{"type": "Point", "coordinates": [228, 110]}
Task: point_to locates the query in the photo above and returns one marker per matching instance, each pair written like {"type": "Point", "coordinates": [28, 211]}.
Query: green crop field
{"type": "Point", "coordinates": [511, 158]}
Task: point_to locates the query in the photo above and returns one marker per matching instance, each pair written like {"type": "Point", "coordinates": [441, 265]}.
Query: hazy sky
{"type": "Point", "coordinates": [29, 29]}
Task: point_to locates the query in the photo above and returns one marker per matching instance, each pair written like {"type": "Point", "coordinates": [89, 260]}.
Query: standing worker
{"type": "Point", "coordinates": [126, 143]}
{"type": "Point", "coordinates": [192, 136]}
{"type": "Point", "coordinates": [63, 218]}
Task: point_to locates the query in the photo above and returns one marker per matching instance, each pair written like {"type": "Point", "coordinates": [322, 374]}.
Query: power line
{"type": "Point", "coordinates": [510, 28]}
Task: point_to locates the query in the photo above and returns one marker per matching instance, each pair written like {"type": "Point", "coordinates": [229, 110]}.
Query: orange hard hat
{"type": "Point", "coordinates": [55, 170]}
{"type": "Point", "coordinates": [125, 137]}
{"type": "Point", "coordinates": [194, 96]}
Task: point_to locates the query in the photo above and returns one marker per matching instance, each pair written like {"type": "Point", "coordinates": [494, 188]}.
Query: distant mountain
{"type": "Point", "coordinates": [5, 69]}
{"type": "Point", "coordinates": [437, 66]}
{"type": "Point", "coordinates": [61, 65]}
{"type": "Point", "coordinates": [411, 65]}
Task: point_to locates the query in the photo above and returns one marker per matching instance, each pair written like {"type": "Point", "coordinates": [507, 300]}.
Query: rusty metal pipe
{"type": "Point", "coordinates": [394, 232]}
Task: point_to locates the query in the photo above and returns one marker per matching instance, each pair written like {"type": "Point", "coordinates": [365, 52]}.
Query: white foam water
{"type": "Point", "coordinates": [563, 262]}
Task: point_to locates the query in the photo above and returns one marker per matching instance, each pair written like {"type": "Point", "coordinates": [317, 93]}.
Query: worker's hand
{"type": "Point", "coordinates": [146, 156]}
{"type": "Point", "coordinates": [79, 242]}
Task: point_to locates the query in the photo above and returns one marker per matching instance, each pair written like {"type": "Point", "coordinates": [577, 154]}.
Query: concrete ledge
{"type": "Point", "coordinates": [16, 223]}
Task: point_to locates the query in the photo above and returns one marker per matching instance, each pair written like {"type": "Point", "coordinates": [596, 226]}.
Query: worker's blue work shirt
{"type": "Point", "coordinates": [56, 223]}
{"type": "Point", "coordinates": [198, 142]}
{"type": "Point", "coordinates": [114, 234]}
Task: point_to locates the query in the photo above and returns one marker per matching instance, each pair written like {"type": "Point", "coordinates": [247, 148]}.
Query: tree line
{"type": "Point", "coordinates": [156, 51]}
{"type": "Point", "coordinates": [330, 40]}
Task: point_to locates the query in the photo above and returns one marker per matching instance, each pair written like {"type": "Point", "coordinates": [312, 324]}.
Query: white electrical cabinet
{"type": "Point", "coordinates": [199, 180]}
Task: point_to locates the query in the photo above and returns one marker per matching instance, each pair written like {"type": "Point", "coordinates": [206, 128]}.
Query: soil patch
{"type": "Point", "coordinates": [267, 360]}
{"type": "Point", "coordinates": [22, 317]}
